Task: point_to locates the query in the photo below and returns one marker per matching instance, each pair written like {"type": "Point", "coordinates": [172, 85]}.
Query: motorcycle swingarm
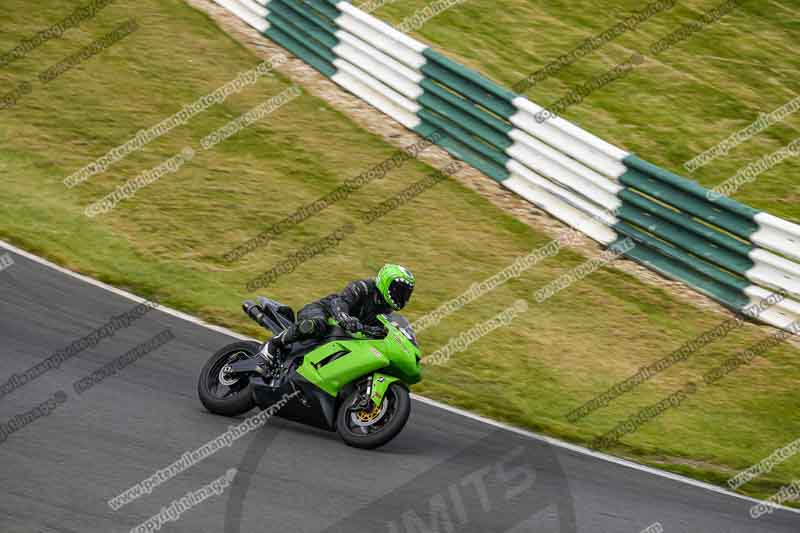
{"type": "Point", "coordinates": [245, 366]}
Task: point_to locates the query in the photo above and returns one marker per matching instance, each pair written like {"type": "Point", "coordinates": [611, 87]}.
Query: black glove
{"type": "Point", "coordinates": [375, 331]}
{"type": "Point", "coordinates": [350, 324]}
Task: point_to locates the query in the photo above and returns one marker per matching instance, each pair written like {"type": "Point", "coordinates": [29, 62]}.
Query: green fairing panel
{"type": "Point", "coordinates": [332, 376]}
{"type": "Point", "coordinates": [338, 363]}
{"type": "Point", "coordinates": [380, 384]}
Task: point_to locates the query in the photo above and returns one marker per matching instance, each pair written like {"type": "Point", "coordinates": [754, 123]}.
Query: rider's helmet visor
{"type": "Point", "coordinates": [400, 291]}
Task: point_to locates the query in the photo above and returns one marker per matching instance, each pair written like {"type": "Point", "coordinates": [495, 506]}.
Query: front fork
{"type": "Point", "coordinates": [378, 386]}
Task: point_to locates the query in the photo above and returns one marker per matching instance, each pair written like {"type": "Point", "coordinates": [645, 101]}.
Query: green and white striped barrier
{"type": "Point", "coordinates": [729, 251]}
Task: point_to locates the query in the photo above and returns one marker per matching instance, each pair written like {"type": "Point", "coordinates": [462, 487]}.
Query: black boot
{"type": "Point", "coordinates": [276, 349]}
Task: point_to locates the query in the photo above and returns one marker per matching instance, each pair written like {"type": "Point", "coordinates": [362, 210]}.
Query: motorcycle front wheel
{"type": "Point", "coordinates": [224, 395]}
{"type": "Point", "coordinates": [372, 428]}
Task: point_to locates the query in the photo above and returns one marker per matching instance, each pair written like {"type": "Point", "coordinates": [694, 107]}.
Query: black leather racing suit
{"type": "Point", "coordinates": [360, 299]}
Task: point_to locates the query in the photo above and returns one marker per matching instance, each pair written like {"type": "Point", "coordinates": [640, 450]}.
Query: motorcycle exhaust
{"type": "Point", "coordinates": [263, 319]}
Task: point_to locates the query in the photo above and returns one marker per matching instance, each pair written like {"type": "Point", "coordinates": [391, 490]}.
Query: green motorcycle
{"type": "Point", "coordinates": [349, 383]}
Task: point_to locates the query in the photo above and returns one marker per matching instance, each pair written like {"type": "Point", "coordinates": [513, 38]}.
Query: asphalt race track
{"type": "Point", "coordinates": [444, 473]}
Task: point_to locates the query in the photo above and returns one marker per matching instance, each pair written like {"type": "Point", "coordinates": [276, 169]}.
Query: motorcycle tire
{"type": "Point", "coordinates": [370, 434]}
{"type": "Point", "coordinates": [238, 398]}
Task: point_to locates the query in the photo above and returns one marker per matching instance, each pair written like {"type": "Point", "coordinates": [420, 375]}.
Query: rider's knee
{"type": "Point", "coordinates": [311, 327]}
{"type": "Point", "coordinates": [306, 327]}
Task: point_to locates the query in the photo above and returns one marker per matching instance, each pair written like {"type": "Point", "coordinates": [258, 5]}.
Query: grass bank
{"type": "Point", "coordinates": [668, 110]}
{"type": "Point", "coordinates": [168, 241]}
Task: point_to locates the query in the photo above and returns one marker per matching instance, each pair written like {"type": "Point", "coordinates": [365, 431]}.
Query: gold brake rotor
{"type": "Point", "coordinates": [368, 416]}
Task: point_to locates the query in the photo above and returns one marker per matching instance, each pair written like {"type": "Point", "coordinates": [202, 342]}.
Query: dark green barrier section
{"type": "Point", "coordinates": [675, 264]}
{"type": "Point", "coordinates": [309, 14]}
{"type": "Point", "coordinates": [304, 32]}
{"type": "Point", "coordinates": [467, 106]}
{"type": "Point", "coordinates": [679, 230]}
{"type": "Point", "coordinates": [690, 187]}
{"type": "Point", "coordinates": [472, 125]}
{"type": "Point", "coordinates": [471, 110]}
{"type": "Point", "coordinates": [300, 50]}
{"type": "Point", "coordinates": [685, 240]}
{"type": "Point", "coordinates": [458, 79]}
{"type": "Point", "coordinates": [325, 7]}
{"type": "Point", "coordinates": [684, 234]}
{"type": "Point", "coordinates": [311, 35]}
{"type": "Point", "coordinates": [306, 29]}
{"type": "Point", "coordinates": [677, 254]}
{"type": "Point", "coordinates": [689, 203]}
{"type": "Point", "coordinates": [490, 88]}
{"type": "Point", "coordinates": [683, 220]}
{"type": "Point", "coordinates": [457, 132]}
{"type": "Point", "coordinates": [463, 152]}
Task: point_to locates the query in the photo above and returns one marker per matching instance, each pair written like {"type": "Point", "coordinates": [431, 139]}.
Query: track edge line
{"type": "Point", "coordinates": [524, 432]}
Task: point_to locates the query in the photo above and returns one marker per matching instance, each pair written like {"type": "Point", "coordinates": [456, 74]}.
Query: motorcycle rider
{"type": "Point", "coordinates": [355, 309]}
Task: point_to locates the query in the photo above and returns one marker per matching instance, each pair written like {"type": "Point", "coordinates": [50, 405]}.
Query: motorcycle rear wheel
{"type": "Point", "coordinates": [235, 398]}
{"type": "Point", "coordinates": [357, 429]}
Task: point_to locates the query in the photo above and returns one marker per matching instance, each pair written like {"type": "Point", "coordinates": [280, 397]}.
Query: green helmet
{"type": "Point", "coordinates": [395, 284]}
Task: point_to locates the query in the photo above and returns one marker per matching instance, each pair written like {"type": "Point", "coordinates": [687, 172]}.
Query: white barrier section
{"type": "Point", "coordinates": [378, 64]}
{"type": "Point", "coordinates": [777, 234]}
{"type": "Point", "coordinates": [781, 315]}
{"type": "Point", "coordinates": [565, 171]}
{"type": "Point", "coordinates": [245, 10]}
{"type": "Point", "coordinates": [773, 271]}
{"type": "Point", "coordinates": [377, 94]}
{"type": "Point", "coordinates": [380, 35]}
{"type": "Point", "coordinates": [600, 213]}
{"type": "Point", "coordinates": [370, 62]}
{"type": "Point", "coordinates": [560, 209]}
{"type": "Point", "coordinates": [255, 7]}
{"type": "Point", "coordinates": [556, 165]}
{"type": "Point", "coordinates": [349, 45]}
{"type": "Point", "coordinates": [579, 144]}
